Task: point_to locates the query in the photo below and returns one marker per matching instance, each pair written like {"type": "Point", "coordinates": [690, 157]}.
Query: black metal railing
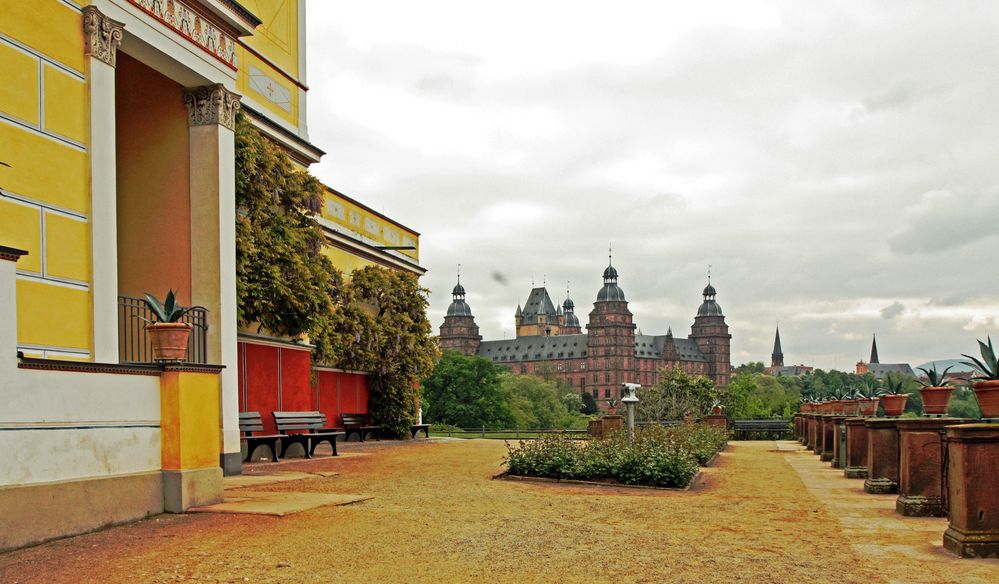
{"type": "Point", "coordinates": [133, 342]}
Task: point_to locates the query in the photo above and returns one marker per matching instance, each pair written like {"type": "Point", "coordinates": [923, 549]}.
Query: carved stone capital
{"type": "Point", "coordinates": [211, 104]}
{"type": "Point", "coordinates": [102, 35]}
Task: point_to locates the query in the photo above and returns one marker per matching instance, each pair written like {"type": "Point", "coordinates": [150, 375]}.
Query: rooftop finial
{"type": "Point", "coordinates": [567, 288]}
{"type": "Point", "coordinates": [459, 273]}
{"type": "Point", "coordinates": [709, 273]}
{"type": "Point", "coordinates": [610, 253]}
{"type": "Point", "coordinates": [544, 280]}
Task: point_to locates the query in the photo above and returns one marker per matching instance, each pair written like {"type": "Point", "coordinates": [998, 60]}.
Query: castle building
{"type": "Point", "coordinates": [550, 341]}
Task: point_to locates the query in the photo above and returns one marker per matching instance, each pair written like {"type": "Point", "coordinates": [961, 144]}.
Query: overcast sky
{"type": "Point", "coordinates": [835, 163]}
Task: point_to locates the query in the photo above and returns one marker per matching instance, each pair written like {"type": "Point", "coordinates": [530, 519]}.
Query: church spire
{"type": "Point", "coordinates": [874, 349]}
{"type": "Point", "coordinates": [777, 357]}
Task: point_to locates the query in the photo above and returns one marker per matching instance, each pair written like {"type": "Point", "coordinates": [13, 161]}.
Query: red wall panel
{"type": "Point", "coordinates": [261, 379]}
{"type": "Point", "coordinates": [362, 394]}
{"type": "Point", "coordinates": [296, 389]}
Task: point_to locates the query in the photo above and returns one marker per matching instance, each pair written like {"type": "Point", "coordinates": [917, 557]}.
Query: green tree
{"type": "Point", "coordinates": [742, 400]}
{"type": "Point", "coordinates": [751, 367]}
{"type": "Point", "coordinates": [590, 406]}
{"type": "Point", "coordinates": [676, 394]}
{"type": "Point", "coordinates": [536, 402]}
{"type": "Point", "coordinates": [465, 391]}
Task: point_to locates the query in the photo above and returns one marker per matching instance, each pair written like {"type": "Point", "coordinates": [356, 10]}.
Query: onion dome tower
{"type": "Point", "coordinates": [611, 339]}
{"type": "Point", "coordinates": [570, 322]}
{"type": "Point", "coordinates": [710, 332]}
{"type": "Point", "coordinates": [459, 331]}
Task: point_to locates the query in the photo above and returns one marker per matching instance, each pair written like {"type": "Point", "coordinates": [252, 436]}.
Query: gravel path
{"type": "Point", "coordinates": [759, 515]}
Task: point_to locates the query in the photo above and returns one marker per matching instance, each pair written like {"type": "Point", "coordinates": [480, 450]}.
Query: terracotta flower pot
{"type": "Point", "coordinates": [850, 407]}
{"type": "Point", "coordinates": [935, 399]}
{"type": "Point", "coordinates": [868, 407]}
{"type": "Point", "coordinates": [987, 393]}
{"type": "Point", "coordinates": [169, 340]}
{"type": "Point", "coordinates": [894, 404]}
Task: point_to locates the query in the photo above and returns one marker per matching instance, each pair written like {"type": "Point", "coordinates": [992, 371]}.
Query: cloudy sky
{"type": "Point", "coordinates": [837, 164]}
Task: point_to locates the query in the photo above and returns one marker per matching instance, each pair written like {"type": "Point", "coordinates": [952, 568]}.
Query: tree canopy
{"type": "Point", "coordinates": [676, 394]}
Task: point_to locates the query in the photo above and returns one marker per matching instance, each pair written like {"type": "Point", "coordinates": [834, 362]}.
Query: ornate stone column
{"type": "Point", "coordinates": [212, 117]}
{"type": "Point", "coordinates": [102, 36]}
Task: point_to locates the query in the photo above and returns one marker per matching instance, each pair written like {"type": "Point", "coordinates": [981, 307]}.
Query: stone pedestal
{"type": "Point", "coordinates": [920, 466]}
{"type": "Point", "coordinates": [973, 490]}
{"type": "Point", "coordinates": [605, 425]}
{"type": "Point", "coordinates": [828, 437]}
{"type": "Point", "coordinates": [856, 448]}
{"type": "Point", "coordinates": [718, 420]}
{"type": "Point", "coordinates": [810, 431]}
{"type": "Point", "coordinates": [816, 442]}
{"type": "Point", "coordinates": [882, 456]}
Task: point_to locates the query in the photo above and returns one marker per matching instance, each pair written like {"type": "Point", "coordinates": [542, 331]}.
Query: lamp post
{"type": "Point", "coordinates": [630, 399]}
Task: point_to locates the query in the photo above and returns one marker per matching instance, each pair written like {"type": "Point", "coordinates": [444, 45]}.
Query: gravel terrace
{"type": "Point", "coordinates": [765, 512]}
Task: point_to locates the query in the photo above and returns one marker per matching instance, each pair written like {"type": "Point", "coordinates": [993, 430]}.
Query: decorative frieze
{"type": "Point", "coordinates": [211, 104]}
{"type": "Point", "coordinates": [193, 26]}
{"type": "Point", "coordinates": [102, 35]}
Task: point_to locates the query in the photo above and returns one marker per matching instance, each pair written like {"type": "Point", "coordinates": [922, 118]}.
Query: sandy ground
{"type": "Point", "coordinates": [766, 512]}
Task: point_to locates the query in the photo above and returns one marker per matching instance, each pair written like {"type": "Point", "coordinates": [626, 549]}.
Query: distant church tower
{"type": "Point", "coordinates": [874, 349]}
{"type": "Point", "coordinates": [610, 339]}
{"type": "Point", "coordinates": [711, 335]}
{"type": "Point", "coordinates": [459, 331]}
{"type": "Point", "coordinates": [777, 357]}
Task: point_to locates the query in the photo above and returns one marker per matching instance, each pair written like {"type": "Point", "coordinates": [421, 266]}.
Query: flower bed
{"type": "Point", "coordinates": [658, 457]}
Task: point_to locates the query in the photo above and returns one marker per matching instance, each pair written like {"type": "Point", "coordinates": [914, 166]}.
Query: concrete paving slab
{"type": "Point", "coordinates": [277, 504]}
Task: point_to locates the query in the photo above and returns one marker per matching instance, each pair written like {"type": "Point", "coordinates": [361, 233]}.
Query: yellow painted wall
{"type": "Point", "coordinates": [277, 36]}
{"type": "Point", "coordinates": [53, 316]}
{"type": "Point", "coordinates": [189, 420]}
{"type": "Point", "coordinates": [45, 205]}
{"type": "Point", "coordinates": [267, 86]}
{"type": "Point", "coordinates": [345, 261]}
{"type": "Point", "coordinates": [362, 221]}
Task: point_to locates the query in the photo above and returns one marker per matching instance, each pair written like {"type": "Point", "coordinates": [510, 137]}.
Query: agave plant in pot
{"type": "Point", "coordinates": [893, 400]}
{"type": "Point", "coordinates": [935, 391]}
{"type": "Point", "coordinates": [851, 403]}
{"type": "Point", "coordinates": [985, 381]}
{"type": "Point", "coordinates": [167, 334]}
{"type": "Point", "coordinates": [868, 397]}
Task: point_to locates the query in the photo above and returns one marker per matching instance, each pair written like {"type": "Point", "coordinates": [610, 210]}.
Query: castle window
{"type": "Point", "coordinates": [595, 379]}
{"type": "Point", "coordinates": [582, 366]}
{"type": "Point", "coordinates": [607, 392]}
{"type": "Point", "coordinates": [606, 377]}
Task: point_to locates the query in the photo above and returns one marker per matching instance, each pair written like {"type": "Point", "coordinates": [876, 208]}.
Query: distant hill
{"type": "Point", "coordinates": [943, 364]}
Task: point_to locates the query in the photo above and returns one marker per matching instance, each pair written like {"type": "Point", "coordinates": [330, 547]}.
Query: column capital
{"type": "Point", "coordinates": [211, 104]}
{"type": "Point", "coordinates": [102, 35]}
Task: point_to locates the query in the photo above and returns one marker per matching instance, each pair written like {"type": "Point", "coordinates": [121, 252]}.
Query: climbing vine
{"type": "Point", "coordinates": [375, 322]}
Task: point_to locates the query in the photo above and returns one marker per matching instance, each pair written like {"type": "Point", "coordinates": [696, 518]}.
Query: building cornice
{"type": "Point", "coordinates": [102, 35]}
{"type": "Point", "coordinates": [11, 254]}
{"type": "Point", "coordinates": [389, 258]}
{"type": "Point", "coordinates": [300, 149]}
{"type": "Point", "coordinates": [211, 104]}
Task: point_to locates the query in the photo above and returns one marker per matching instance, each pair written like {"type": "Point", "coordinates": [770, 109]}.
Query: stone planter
{"type": "Point", "coordinates": [868, 407]}
{"type": "Point", "coordinates": [935, 400]}
{"type": "Point", "coordinates": [973, 490]}
{"type": "Point", "coordinates": [605, 425]}
{"type": "Point", "coordinates": [920, 466]}
{"type": "Point", "coordinates": [810, 431]}
{"type": "Point", "coordinates": [894, 405]}
{"type": "Point", "coordinates": [820, 421]}
{"type": "Point", "coordinates": [987, 393]}
{"type": "Point", "coordinates": [718, 420]}
{"type": "Point", "coordinates": [851, 407]}
{"type": "Point", "coordinates": [856, 448]}
{"type": "Point", "coordinates": [882, 456]}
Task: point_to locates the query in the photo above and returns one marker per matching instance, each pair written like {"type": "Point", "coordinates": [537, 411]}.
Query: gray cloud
{"type": "Point", "coordinates": [892, 310]}
{"type": "Point", "coordinates": [828, 167]}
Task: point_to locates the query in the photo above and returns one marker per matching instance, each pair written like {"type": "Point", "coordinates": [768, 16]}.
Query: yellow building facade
{"type": "Point", "coordinates": [117, 178]}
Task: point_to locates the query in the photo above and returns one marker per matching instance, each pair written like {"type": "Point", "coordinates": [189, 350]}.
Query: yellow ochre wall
{"type": "Point", "coordinates": [189, 420]}
{"type": "Point", "coordinates": [272, 81]}
{"type": "Point", "coordinates": [45, 201]}
{"type": "Point", "coordinates": [362, 221]}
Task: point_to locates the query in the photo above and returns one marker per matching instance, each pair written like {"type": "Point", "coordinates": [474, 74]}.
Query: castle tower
{"type": "Point", "coordinates": [777, 357]}
{"type": "Point", "coordinates": [539, 316]}
{"type": "Point", "coordinates": [710, 332]}
{"type": "Point", "coordinates": [610, 340]}
{"type": "Point", "coordinates": [459, 331]}
{"type": "Point", "coordinates": [570, 322]}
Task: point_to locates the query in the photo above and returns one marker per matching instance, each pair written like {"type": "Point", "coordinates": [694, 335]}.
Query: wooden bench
{"type": "Point", "coordinates": [361, 424]}
{"type": "Point", "coordinates": [745, 429]}
{"type": "Point", "coordinates": [417, 428]}
{"type": "Point", "coordinates": [250, 422]}
{"type": "Point", "coordinates": [306, 428]}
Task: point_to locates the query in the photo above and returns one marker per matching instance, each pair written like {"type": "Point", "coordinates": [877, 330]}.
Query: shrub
{"type": "Point", "coordinates": [658, 456]}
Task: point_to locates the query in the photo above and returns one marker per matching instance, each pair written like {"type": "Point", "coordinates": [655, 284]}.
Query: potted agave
{"type": "Point", "coordinates": [935, 391]}
{"type": "Point", "coordinates": [893, 400]}
{"type": "Point", "coordinates": [868, 397]}
{"type": "Point", "coordinates": [851, 403]}
{"type": "Point", "coordinates": [985, 381]}
{"type": "Point", "coordinates": [167, 334]}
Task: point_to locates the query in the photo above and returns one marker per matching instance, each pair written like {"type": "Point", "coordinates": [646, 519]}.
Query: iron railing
{"type": "Point", "coordinates": [133, 342]}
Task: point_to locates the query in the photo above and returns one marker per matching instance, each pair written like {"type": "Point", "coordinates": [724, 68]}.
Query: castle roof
{"type": "Point", "coordinates": [534, 348]}
{"type": "Point", "coordinates": [538, 303]}
{"type": "Point", "coordinates": [709, 307]}
{"type": "Point", "coordinates": [611, 292]}
{"type": "Point", "coordinates": [652, 346]}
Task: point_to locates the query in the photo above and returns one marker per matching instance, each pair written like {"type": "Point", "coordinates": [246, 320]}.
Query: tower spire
{"type": "Point", "coordinates": [777, 357]}
{"type": "Point", "coordinates": [874, 348]}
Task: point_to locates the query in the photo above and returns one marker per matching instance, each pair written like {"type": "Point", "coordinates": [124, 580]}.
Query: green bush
{"type": "Point", "coordinates": [658, 456]}
{"type": "Point", "coordinates": [441, 427]}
